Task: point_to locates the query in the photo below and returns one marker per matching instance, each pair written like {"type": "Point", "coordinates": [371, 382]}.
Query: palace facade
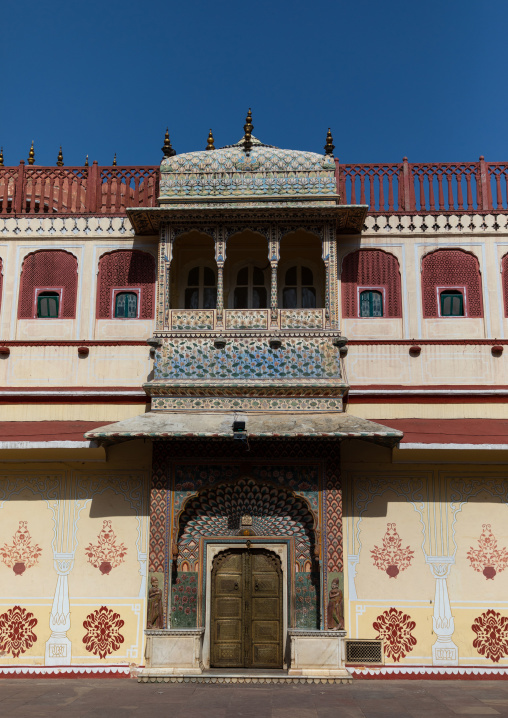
{"type": "Point", "coordinates": [254, 415]}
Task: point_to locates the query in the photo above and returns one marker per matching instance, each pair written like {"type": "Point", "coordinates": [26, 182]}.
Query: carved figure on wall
{"type": "Point", "coordinates": [106, 554]}
{"type": "Point", "coordinates": [22, 554]}
{"type": "Point", "coordinates": [395, 627]}
{"type": "Point", "coordinates": [16, 635]}
{"type": "Point", "coordinates": [103, 635]}
{"type": "Point", "coordinates": [391, 557]}
{"type": "Point", "coordinates": [155, 617]}
{"type": "Point", "coordinates": [335, 611]}
{"type": "Point", "coordinates": [488, 558]}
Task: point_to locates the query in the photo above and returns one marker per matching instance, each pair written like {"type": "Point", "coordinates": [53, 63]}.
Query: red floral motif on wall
{"type": "Point", "coordinates": [395, 627]}
{"type": "Point", "coordinates": [16, 635]}
{"type": "Point", "coordinates": [491, 635]}
{"type": "Point", "coordinates": [107, 554]}
{"type": "Point", "coordinates": [103, 635]}
{"type": "Point", "coordinates": [391, 557]}
{"type": "Point", "coordinates": [22, 554]}
{"type": "Point", "coordinates": [488, 558]}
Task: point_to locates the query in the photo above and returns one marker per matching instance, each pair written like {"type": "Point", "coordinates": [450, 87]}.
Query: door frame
{"type": "Point", "coordinates": [211, 549]}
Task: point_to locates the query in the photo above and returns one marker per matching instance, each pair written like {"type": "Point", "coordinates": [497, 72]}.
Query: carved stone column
{"type": "Point", "coordinates": [220, 258]}
{"type": "Point", "coordinates": [163, 282]}
{"type": "Point", "coordinates": [444, 650]}
{"type": "Point", "coordinates": [58, 646]}
{"type": "Point", "coordinates": [274, 256]}
{"type": "Point", "coordinates": [333, 284]}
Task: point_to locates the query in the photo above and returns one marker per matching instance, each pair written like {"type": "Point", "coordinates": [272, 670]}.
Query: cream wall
{"type": "Point", "coordinates": [65, 505]}
{"type": "Point", "coordinates": [440, 591]}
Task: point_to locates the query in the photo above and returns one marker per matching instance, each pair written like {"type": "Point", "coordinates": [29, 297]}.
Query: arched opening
{"type": "Point", "coordinates": [193, 272]}
{"type": "Point", "coordinates": [244, 508]}
{"type": "Point", "coordinates": [247, 272]}
{"type": "Point", "coordinates": [301, 272]}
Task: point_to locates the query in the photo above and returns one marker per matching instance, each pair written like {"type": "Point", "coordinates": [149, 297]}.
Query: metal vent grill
{"type": "Point", "coordinates": [364, 651]}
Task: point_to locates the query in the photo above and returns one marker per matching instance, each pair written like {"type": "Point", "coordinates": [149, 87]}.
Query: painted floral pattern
{"type": "Point", "coordinates": [488, 558]}
{"type": "Point", "coordinates": [106, 554]}
{"type": "Point", "coordinates": [391, 556]}
{"type": "Point", "coordinates": [197, 358]}
{"type": "Point", "coordinates": [395, 627]}
{"type": "Point", "coordinates": [21, 554]}
{"type": "Point", "coordinates": [103, 635]}
{"type": "Point", "coordinates": [184, 600]}
{"type": "Point", "coordinates": [491, 635]}
{"type": "Point", "coordinates": [16, 634]}
{"type": "Point", "coordinates": [192, 320]}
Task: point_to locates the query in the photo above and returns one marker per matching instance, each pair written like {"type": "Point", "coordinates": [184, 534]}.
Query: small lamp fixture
{"type": "Point", "coordinates": [166, 148]}
{"type": "Point", "coordinates": [239, 431]}
{"type": "Point", "coordinates": [210, 145]}
{"type": "Point", "coordinates": [83, 351]}
{"type": "Point", "coordinates": [219, 343]}
{"type": "Point", "coordinates": [59, 159]}
{"type": "Point", "coordinates": [275, 343]}
{"type": "Point", "coordinates": [415, 350]}
{"type": "Point", "coordinates": [497, 350]}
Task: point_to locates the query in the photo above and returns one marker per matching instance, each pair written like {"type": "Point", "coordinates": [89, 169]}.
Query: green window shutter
{"type": "Point", "coordinates": [126, 305]}
{"type": "Point", "coordinates": [452, 304]}
{"type": "Point", "coordinates": [371, 303]}
{"type": "Point", "coordinates": [48, 305]}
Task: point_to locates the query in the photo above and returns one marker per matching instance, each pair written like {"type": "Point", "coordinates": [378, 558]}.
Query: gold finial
{"type": "Point", "coordinates": [210, 145]}
{"type": "Point", "coordinates": [329, 147]}
{"type": "Point", "coordinates": [248, 127]}
{"type": "Point", "coordinates": [114, 160]}
{"type": "Point", "coordinates": [166, 148]}
{"type": "Point", "coordinates": [59, 159]}
{"type": "Point", "coordinates": [31, 155]}
{"type": "Point", "coordinates": [1, 156]}
{"type": "Point", "coordinates": [86, 161]}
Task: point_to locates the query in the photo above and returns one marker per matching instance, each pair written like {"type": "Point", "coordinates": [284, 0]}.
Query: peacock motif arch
{"type": "Point", "coordinates": [245, 507]}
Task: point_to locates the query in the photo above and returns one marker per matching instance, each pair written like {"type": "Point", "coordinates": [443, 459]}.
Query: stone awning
{"type": "Point", "coordinates": [219, 425]}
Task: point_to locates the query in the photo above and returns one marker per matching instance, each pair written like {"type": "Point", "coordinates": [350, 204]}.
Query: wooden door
{"type": "Point", "coordinates": [246, 615]}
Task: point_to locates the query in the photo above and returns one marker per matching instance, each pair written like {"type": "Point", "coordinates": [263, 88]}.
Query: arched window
{"type": "Point", "coordinates": [448, 271]}
{"type": "Point", "coordinates": [451, 303]}
{"type": "Point", "coordinates": [126, 271]}
{"type": "Point", "coordinates": [126, 305]}
{"type": "Point", "coordinates": [250, 291]}
{"type": "Point", "coordinates": [201, 289]}
{"type": "Point", "coordinates": [371, 303]}
{"type": "Point", "coordinates": [48, 305]}
{"type": "Point", "coordinates": [48, 286]}
{"type": "Point", "coordinates": [371, 270]}
{"type": "Point", "coordinates": [299, 291]}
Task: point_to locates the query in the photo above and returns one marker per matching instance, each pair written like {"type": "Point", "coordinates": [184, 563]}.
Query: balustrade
{"type": "Point", "coordinates": [388, 188]}
{"type": "Point", "coordinates": [255, 320]}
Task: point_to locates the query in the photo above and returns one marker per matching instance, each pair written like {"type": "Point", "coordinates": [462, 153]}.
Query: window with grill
{"type": "Point", "coordinates": [371, 303]}
{"type": "Point", "coordinates": [126, 305]}
{"type": "Point", "coordinates": [48, 305]}
{"type": "Point", "coordinates": [250, 291]}
{"type": "Point", "coordinates": [299, 291]}
{"type": "Point", "coordinates": [201, 289]}
{"type": "Point", "coordinates": [452, 303]}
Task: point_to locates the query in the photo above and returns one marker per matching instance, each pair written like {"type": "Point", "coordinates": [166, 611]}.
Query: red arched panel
{"type": "Point", "coordinates": [371, 268]}
{"type": "Point", "coordinates": [126, 269]}
{"type": "Point", "coordinates": [50, 269]}
{"type": "Point", "coordinates": [451, 268]}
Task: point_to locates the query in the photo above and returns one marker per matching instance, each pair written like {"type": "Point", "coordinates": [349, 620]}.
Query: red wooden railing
{"type": "Point", "coordinates": [420, 188]}
{"type": "Point", "coordinates": [404, 187]}
{"type": "Point", "coordinates": [76, 190]}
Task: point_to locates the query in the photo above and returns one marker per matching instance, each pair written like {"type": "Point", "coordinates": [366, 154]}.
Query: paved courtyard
{"type": "Point", "coordinates": [117, 698]}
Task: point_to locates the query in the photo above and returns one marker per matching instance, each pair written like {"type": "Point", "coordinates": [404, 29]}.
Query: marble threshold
{"type": "Point", "coordinates": [239, 675]}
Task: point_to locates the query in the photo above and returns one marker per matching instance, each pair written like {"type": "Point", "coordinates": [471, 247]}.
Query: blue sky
{"type": "Point", "coordinates": [393, 78]}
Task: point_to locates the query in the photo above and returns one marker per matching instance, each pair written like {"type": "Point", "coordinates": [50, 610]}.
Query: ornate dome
{"type": "Point", "coordinates": [264, 174]}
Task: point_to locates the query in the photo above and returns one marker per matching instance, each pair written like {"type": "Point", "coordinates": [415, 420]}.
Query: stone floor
{"type": "Point", "coordinates": [122, 698]}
